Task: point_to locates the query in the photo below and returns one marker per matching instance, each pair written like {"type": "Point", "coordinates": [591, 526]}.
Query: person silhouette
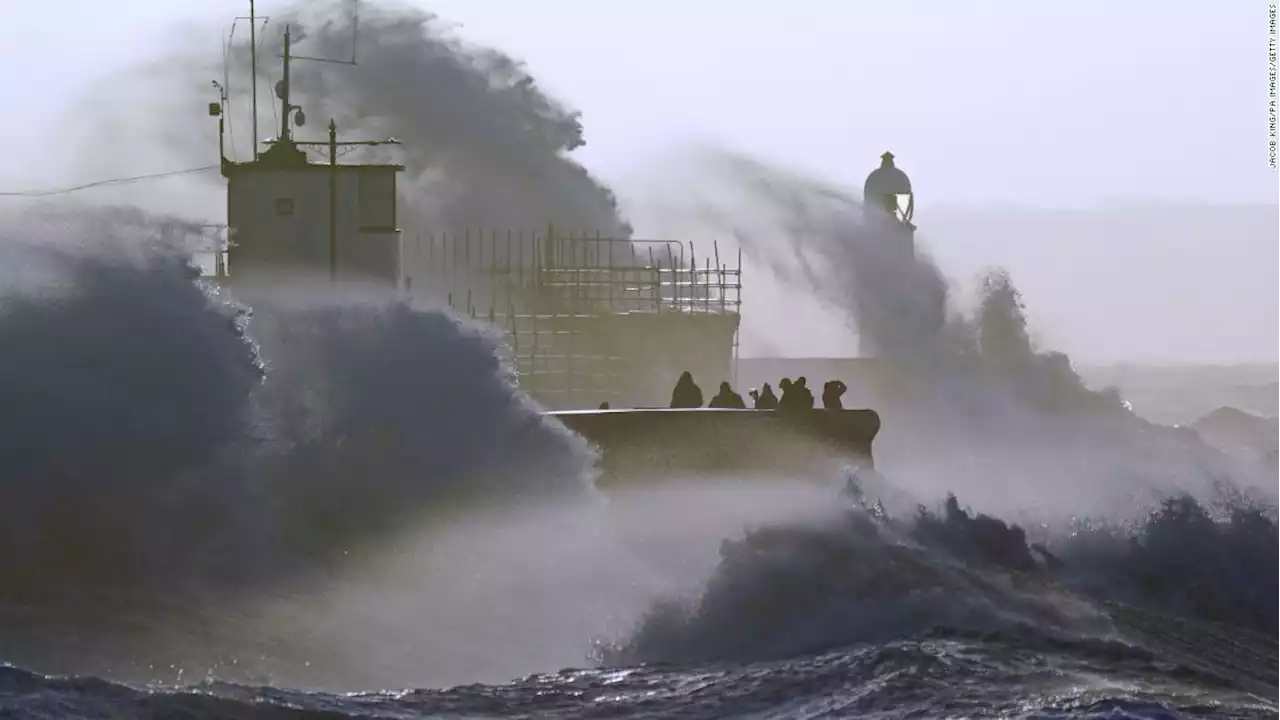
{"type": "Point", "coordinates": [796, 396]}
{"type": "Point", "coordinates": [832, 391]}
{"type": "Point", "coordinates": [727, 398]}
{"type": "Point", "coordinates": [766, 399]}
{"type": "Point", "coordinates": [686, 393]}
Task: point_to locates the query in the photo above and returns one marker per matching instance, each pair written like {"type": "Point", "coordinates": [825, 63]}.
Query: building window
{"type": "Point", "coordinates": [284, 206]}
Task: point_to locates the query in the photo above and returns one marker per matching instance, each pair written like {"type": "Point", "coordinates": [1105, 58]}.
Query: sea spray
{"type": "Point", "coordinates": [120, 375]}
{"type": "Point", "coordinates": [504, 591]}
{"type": "Point", "coordinates": [861, 578]}
{"type": "Point", "coordinates": [487, 147]}
{"type": "Point", "coordinates": [171, 454]}
{"type": "Point", "coordinates": [386, 410]}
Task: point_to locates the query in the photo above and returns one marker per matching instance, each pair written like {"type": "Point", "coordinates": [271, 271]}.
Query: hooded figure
{"type": "Point", "coordinates": [796, 396]}
{"type": "Point", "coordinates": [766, 400]}
{"type": "Point", "coordinates": [686, 394]}
{"type": "Point", "coordinates": [832, 391]}
{"type": "Point", "coordinates": [727, 398]}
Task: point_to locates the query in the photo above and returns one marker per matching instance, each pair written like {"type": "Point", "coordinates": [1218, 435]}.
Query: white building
{"type": "Point", "coordinates": [287, 216]}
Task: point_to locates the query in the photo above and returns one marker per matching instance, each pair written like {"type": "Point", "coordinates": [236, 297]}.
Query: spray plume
{"type": "Point", "coordinates": [484, 147]}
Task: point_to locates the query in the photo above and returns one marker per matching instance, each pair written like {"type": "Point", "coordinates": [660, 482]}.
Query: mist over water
{"type": "Point", "coordinates": [501, 592]}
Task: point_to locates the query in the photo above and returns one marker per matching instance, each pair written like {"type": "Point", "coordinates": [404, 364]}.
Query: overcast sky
{"type": "Point", "coordinates": [986, 104]}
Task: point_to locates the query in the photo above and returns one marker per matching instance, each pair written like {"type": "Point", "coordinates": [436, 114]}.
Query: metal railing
{"type": "Point", "coordinates": [553, 296]}
{"type": "Point", "coordinates": [482, 274]}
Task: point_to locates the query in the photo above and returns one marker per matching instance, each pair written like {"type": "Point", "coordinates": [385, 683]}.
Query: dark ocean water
{"type": "Point", "coordinates": [1045, 652]}
{"type": "Point", "coordinates": [857, 615]}
{"type": "Point", "coordinates": [941, 674]}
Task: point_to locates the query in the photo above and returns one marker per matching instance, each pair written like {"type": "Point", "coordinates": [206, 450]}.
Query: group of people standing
{"type": "Point", "coordinates": [795, 395]}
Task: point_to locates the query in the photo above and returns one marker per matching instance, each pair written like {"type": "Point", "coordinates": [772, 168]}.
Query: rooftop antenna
{"type": "Point", "coordinates": [252, 55]}
{"type": "Point", "coordinates": [288, 117]}
{"type": "Point", "coordinates": [216, 110]}
{"type": "Point", "coordinates": [253, 19]}
{"type": "Point", "coordinates": [355, 34]}
{"type": "Point", "coordinates": [282, 90]}
{"type": "Point", "coordinates": [253, 70]}
{"type": "Point", "coordinates": [333, 144]}
{"type": "Point", "coordinates": [282, 87]}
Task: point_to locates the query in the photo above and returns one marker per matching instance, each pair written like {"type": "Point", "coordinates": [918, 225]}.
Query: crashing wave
{"type": "Point", "coordinates": [168, 450]}
{"type": "Point", "coordinates": [868, 578]}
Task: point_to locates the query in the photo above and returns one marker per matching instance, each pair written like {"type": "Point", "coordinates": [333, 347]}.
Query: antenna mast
{"type": "Point", "coordinates": [355, 36]}
{"type": "Point", "coordinates": [253, 61]}
{"type": "Point", "coordinates": [284, 90]}
{"type": "Point", "coordinates": [253, 18]}
{"type": "Point", "coordinates": [332, 143]}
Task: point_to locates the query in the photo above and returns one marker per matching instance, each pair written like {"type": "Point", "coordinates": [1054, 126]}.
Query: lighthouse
{"type": "Point", "coordinates": [887, 193]}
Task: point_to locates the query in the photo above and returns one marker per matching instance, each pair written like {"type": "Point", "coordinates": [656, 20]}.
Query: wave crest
{"type": "Point", "coordinates": [167, 450]}
{"type": "Point", "coordinates": [867, 578]}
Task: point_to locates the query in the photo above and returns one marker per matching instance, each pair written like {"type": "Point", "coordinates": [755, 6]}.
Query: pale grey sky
{"type": "Point", "coordinates": [985, 103]}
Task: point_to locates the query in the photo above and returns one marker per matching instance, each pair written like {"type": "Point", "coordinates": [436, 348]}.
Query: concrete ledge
{"type": "Point", "coordinates": [705, 440]}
